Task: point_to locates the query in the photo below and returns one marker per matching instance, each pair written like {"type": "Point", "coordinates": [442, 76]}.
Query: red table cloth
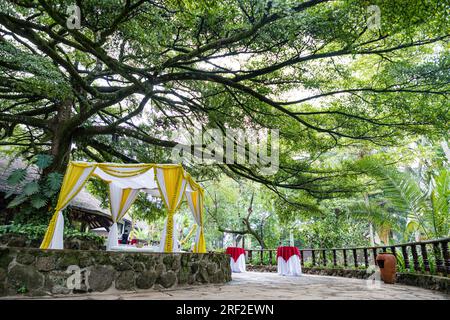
{"type": "Point", "coordinates": [287, 252]}
{"type": "Point", "coordinates": [134, 241]}
{"type": "Point", "coordinates": [235, 252]}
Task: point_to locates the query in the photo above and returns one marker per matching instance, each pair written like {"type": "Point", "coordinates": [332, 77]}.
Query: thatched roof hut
{"type": "Point", "coordinates": [84, 208]}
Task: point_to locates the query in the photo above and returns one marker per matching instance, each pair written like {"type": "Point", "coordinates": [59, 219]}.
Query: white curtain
{"type": "Point", "coordinates": [121, 200]}
{"type": "Point", "coordinates": [58, 236]}
{"type": "Point", "coordinates": [195, 213]}
{"type": "Point", "coordinates": [292, 267]}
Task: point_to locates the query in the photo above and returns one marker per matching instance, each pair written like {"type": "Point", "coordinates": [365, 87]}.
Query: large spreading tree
{"type": "Point", "coordinates": [136, 71]}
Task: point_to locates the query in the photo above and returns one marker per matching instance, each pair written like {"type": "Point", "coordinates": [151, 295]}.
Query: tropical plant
{"type": "Point", "coordinates": [424, 205]}
{"type": "Point", "coordinates": [440, 203]}
{"type": "Point", "coordinates": [382, 220]}
{"type": "Point", "coordinates": [33, 232]}
{"type": "Point", "coordinates": [36, 195]}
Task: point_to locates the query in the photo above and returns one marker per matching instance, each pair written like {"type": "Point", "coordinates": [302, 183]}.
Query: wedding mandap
{"type": "Point", "coordinates": [167, 181]}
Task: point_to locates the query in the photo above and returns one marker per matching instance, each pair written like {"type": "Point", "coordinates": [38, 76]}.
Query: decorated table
{"type": "Point", "coordinates": [237, 259]}
{"type": "Point", "coordinates": [288, 259]}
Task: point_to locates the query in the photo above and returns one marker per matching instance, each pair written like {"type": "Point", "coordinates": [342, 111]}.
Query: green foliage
{"type": "Point", "coordinates": [74, 233]}
{"type": "Point", "coordinates": [37, 232]}
{"type": "Point", "coordinates": [43, 161]}
{"type": "Point", "coordinates": [34, 232]}
{"type": "Point", "coordinates": [359, 85]}
{"type": "Point", "coordinates": [36, 194]}
{"type": "Point", "coordinates": [31, 188]}
{"type": "Point", "coordinates": [227, 203]}
{"type": "Point", "coordinates": [17, 176]}
{"type": "Point", "coordinates": [139, 234]}
{"type": "Point", "coordinates": [22, 289]}
{"type": "Point", "coordinates": [422, 203]}
{"type": "Point", "coordinates": [331, 231]}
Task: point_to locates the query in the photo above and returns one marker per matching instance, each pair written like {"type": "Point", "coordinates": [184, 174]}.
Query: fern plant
{"type": "Point", "coordinates": [36, 195]}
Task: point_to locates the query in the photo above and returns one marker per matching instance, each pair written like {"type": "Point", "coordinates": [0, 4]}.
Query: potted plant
{"type": "Point", "coordinates": [387, 263]}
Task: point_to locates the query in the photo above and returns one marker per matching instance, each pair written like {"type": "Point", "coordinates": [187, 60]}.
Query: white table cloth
{"type": "Point", "coordinates": [237, 259]}
{"type": "Point", "coordinates": [292, 267]}
{"type": "Point", "coordinates": [239, 265]}
{"type": "Point", "coordinates": [288, 261]}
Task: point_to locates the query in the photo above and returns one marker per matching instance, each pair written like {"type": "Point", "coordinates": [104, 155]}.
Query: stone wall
{"type": "Point", "coordinates": [38, 272]}
{"type": "Point", "coordinates": [425, 281]}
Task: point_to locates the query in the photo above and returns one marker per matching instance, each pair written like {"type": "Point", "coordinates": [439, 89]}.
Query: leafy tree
{"type": "Point", "coordinates": [335, 227]}
{"type": "Point", "coordinates": [242, 209]}
{"type": "Point", "coordinates": [138, 71]}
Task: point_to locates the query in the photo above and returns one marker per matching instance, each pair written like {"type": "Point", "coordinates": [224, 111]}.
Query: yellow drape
{"type": "Point", "coordinates": [197, 201]}
{"type": "Point", "coordinates": [72, 176]}
{"type": "Point", "coordinates": [138, 169]}
{"type": "Point", "coordinates": [125, 195]}
{"type": "Point", "coordinates": [173, 182]}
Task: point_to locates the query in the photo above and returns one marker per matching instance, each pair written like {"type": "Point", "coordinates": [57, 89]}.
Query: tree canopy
{"type": "Point", "coordinates": [136, 71]}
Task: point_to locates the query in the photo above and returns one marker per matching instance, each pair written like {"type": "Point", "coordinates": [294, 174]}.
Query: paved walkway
{"type": "Point", "coordinates": [257, 285]}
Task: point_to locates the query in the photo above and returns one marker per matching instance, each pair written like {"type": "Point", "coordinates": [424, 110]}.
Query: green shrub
{"type": "Point", "coordinates": [88, 236]}
{"type": "Point", "coordinates": [37, 232]}
{"type": "Point", "coordinates": [33, 232]}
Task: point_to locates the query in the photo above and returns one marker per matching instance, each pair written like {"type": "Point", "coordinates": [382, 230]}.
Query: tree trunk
{"type": "Point", "coordinates": [254, 232]}
{"type": "Point", "coordinates": [61, 139]}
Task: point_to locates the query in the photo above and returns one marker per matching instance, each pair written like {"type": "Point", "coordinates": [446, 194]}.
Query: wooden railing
{"type": "Point", "coordinates": [430, 257]}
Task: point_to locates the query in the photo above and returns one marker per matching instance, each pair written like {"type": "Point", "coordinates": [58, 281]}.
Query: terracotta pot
{"type": "Point", "coordinates": [388, 267]}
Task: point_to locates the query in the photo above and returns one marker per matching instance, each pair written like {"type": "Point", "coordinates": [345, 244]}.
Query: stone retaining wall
{"type": "Point", "coordinates": [38, 272]}
{"type": "Point", "coordinates": [425, 281]}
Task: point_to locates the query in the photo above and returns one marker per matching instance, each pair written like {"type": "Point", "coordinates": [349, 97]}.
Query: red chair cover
{"type": "Point", "coordinates": [287, 252]}
{"type": "Point", "coordinates": [235, 252]}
